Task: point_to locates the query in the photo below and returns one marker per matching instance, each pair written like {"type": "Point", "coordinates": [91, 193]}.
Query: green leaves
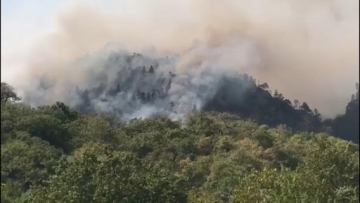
{"type": "Point", "coordinates": [47, 128]}
{"type": "Point", "coordinates": [329, 178]}
{"type": "Point", "coordinates": [26, 161]}
{"type": "Point", "coordinates": [8, 94]}
{"type": "Point", "coordinates": [115, 177]}
{"type": "Point", "coordinates": [54, 154]}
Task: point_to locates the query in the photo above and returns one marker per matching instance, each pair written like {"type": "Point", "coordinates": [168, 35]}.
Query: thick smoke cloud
{"type": "Point", "coordinates": [133, 85]}
{"type": "Point", "coordinates": [306, 49]}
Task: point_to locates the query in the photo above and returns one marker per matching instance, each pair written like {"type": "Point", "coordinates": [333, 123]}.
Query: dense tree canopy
{"type": "Point", "coordinates": [55, 154]}
{"type": "Point", "coordinates": [238, 94]}
{"type": "Point", "coordinates": [7, 93]}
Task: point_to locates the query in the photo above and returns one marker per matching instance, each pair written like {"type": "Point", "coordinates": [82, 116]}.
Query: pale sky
{"type": "Point", "coordinates": [330, 44]}
{"type": "Point", "coordinates": [23, 22]}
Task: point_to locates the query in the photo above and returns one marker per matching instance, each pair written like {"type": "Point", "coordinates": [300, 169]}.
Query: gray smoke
{"type": "Point", "coordinates": [132, 85]}
{"type": "Point", "coordinates": [307, 49]}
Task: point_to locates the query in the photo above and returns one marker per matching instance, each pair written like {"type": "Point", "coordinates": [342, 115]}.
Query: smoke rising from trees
{"type": "Point", "coordinates": [308, 50]}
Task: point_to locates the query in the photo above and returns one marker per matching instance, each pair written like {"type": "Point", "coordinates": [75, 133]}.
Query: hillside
{"type": "Point", "coordinates": [58, 154]}
{"type": "Point", "coordinates": [131, 85]}
{"type": "Point", "coordinates": [273, 110]}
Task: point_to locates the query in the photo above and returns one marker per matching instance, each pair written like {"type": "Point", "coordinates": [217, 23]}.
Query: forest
{"type": "Point", "coordinates": [234, 93]}
{"type": "Point", "coordinates": [261, 149]}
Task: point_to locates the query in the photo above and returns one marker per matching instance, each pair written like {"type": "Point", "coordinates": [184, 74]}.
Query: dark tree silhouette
{"type": "Point", "coordinates": [151, 70]}
{"type": "Point", "coordinates": [7, 93]}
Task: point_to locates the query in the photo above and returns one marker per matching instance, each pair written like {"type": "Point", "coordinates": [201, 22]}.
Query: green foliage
{"type": "Point", "coordinates": [46, 127]}
{"type": "Point", "coordinates": [91, 129]}
{"type": "Point", "coordinates": [332, 178]}
{"type": "Point", "coordinates": [55, 154]}
{"type": "Point", "coordinates": [8, 94]}
{"type": "Point", "coordinates": [98, 174]}
{"type": "Point", "coordinates": [26, 161]}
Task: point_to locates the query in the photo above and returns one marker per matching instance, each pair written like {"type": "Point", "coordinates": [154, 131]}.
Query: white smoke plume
{"type": "Point", "coordinates": [307, 49]}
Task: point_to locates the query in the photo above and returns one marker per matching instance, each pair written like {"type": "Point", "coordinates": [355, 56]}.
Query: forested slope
{"type": "Point", "coordinates": [131, 85]}
{"type": "Point", "coordinates": [56, 154]}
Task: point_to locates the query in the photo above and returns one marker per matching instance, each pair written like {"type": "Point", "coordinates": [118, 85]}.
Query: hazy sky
{"type": "Point", "coordinates": [298, 40]}
{"type": "Point", "coordinates": [24, 22]}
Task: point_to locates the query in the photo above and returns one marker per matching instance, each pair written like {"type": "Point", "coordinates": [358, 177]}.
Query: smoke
{"type": "Point", "coordinates": [306, 49]}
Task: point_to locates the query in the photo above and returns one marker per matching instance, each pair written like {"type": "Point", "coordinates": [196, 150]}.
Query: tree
{"type": "Point", "coordinates": [305, 107]}
{"type": "Point", "coordinates": [26, 161]}
{"type": "Point", "coordinates": [264, 86]}
{"type": "Point", "coordinates": [276, 94]}
{"type": "Point", "coordinates": [316, 113]}
{"type": "Point", "coordinates": [296, 103]}
{"type": "Point", "coordinates": [48, 128]}
{"type": "Point", "coordinates": [151, 70]}
{"type": "Point", "coordinates": [334, 177]}
{"type": "Point", "coordinates": [353, 97]}
{"type": "Point", "coordinates": [55, 154]}
{"type": "Point", "coordinates": [7, 93]}
{"type": "Point", "coordinates": [99, 174]}
{"type": "Point", "coordinates": [281, 97]}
